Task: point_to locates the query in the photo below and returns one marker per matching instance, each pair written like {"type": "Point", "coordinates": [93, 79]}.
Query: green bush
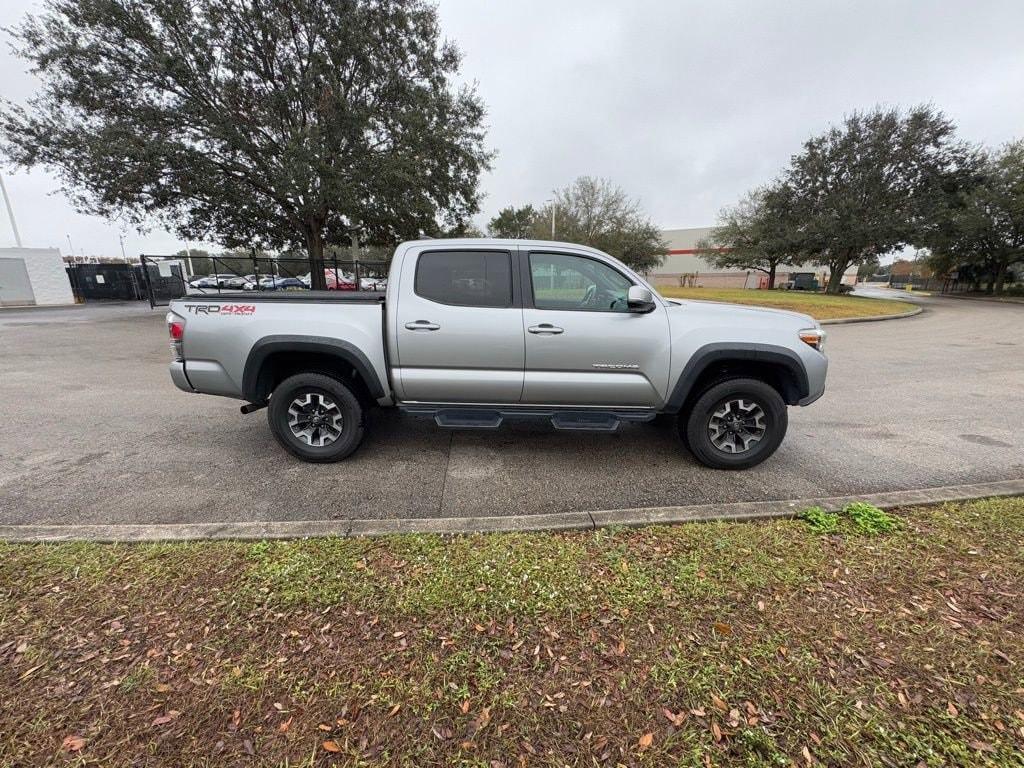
{"type": "Point", "coordinates": [869, 519]}
{"type": "Point", "coordinates": [821, 521]}
{"type": "Point", "coordinates": [864, 518]}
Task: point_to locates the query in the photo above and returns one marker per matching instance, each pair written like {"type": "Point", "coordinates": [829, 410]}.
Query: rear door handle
{"type": "Point", "coordinates": [422, 325]}
{"type": "Point", "coordinates": [545, 328]}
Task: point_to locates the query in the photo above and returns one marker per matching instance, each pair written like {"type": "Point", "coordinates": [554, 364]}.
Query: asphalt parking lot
{"type": "Point", "coordinates": [93, 431]}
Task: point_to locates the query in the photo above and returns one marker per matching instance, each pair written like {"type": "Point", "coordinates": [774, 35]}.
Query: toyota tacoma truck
{"type": "Point", "coordinates": [476, 332]}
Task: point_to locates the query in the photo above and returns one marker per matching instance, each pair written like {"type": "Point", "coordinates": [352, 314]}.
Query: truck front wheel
{"type": "Point", "coordinates": [735, 424]}
{"type": "Point", "coordinates": [315, 417]}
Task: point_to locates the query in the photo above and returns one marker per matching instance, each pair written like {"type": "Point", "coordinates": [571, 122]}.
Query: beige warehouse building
{"type": "Point", "coordinates": [682, 266]}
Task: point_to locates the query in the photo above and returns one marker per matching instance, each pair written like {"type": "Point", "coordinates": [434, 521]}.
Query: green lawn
{"type": "Point", "coordinates": [817, 305]}
{"type": "Point", "coordinates": [739, 644]}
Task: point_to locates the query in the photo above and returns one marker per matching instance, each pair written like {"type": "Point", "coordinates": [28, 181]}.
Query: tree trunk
{"type": "Point", "coordinates": [1000, 278]}
{"type": "Point", "coordinates": [836, 276]}
{"type": "Point", "coordinates": [771, 276]}
{"type": "Point", "coordinates": [315, 248]}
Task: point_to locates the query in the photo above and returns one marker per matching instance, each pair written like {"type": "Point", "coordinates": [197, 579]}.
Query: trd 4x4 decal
{"type": "Point", "coordinates": [221, 309]}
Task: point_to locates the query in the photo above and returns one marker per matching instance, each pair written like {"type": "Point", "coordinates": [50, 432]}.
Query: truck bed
{"type": "Point", "coordinates": [226, 334]}
{"type": "Point", "coordinates": [335, 297]}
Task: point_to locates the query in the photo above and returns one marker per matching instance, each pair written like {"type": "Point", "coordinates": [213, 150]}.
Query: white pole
{"type": "Point", "coordinates": [120, 238]}
{"type": "Point", "coordinates": [10, 212]}
{"type": "Point", "coordinates": [188, 258]}
{"type": "Point", "coordinates": [71, 248]}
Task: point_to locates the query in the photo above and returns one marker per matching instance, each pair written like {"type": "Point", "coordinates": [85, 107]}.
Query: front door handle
{"type": "Point", "coordinates": [422, 325]}
{"type": "Point", "coordinates": [545, 328]}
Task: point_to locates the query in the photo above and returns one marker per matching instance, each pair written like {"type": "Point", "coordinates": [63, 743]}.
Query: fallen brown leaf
{"type": "Point", "coordinates": [677, 719]}
{"type": "Point", "coordinates": [73, 743]}
{"type": "Point", "coordinates": [331, 746]}
{"type": "Point", "coordinates": [172, 714]}
{"type": "Point", "coordinates": [645, 741]}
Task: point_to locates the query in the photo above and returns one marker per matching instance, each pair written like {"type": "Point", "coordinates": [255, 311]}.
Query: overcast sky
{"type": "Point", "coordinates": [685, 104]}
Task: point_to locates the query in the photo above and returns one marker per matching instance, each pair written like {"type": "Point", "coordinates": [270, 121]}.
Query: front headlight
{"type": "Point", "coordinates": [814, 337]}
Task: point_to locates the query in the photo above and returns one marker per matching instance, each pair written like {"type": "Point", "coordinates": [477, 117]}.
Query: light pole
{"type": "Point", "coordinates": [71, 248]}
{"type": "Point", "coordinates": [10, 212]}
{"type": "Point", "coordinates": [551, 202]}
{"type": "Point", "coordinates": [188, 258]}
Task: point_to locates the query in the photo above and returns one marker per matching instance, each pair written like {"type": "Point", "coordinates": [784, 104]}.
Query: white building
{"type": "Point", "coordinates": [33, 276]}
{"type": "Point", "coordinates": [682, 266]}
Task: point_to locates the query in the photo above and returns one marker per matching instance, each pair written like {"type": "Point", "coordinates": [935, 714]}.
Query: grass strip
{"type": "Point", "coordinates": [843, 642]}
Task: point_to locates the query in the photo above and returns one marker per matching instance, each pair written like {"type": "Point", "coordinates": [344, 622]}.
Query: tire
{"type": "Point", "coordinates": [735, 424]}
{"type": "Point", "coordinates": [310, 408]}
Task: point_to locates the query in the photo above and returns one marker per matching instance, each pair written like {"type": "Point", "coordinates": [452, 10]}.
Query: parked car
{"type": "Point", "coordinates": [205, 282]}
{"type": "Point", "coordinates": [273, 283]}
{"type": "Point", "coordinates": [373, 284]}
{"type": "Point", "coordinates": [241, 282]}
{"type": "Point", "coordinates": [223, 278]}
{"type": "Point", "coordinates": [475, 332]}
{"type": "Point", "coordinates": [339, 281]}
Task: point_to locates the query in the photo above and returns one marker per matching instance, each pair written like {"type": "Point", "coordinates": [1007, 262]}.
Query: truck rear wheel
{"type": "Point", "coordinates": [735, 424]}
{"type": "Point", "coordinates": [316, 417]}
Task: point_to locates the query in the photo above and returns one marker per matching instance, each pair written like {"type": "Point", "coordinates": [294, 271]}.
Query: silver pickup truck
{"type": "Point", "coordinates": [476, 332]}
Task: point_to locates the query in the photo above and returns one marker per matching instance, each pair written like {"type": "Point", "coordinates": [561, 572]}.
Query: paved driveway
{"type": "Point", "coordinates": [92, 430]}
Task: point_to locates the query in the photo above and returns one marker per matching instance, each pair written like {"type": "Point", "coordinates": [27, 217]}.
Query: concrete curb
{"type": "Point", "coordinates": [296, 529]}
{"type": "Point", "coordinates": [847, 320]}
{"type": "Point", "coordinates": [41, 307]}
{"type": "Point", "coordinates": [987, 299]}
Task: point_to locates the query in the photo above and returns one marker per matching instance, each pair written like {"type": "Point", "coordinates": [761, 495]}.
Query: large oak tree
{"type": "Point", "coordinates": [284, 124]}
{"type": "Point", "coordinates": [875, 184]}
{"type": "Point", "coordinates": [761, 232]}
{"type": "Point", "coordinates": [982, 233]}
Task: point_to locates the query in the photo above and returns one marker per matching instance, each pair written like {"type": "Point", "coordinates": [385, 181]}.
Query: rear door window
{"type": "Point", "coordinates": [465, 278]}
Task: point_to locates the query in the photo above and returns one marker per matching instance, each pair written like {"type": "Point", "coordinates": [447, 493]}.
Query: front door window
{"type": "Point", "coordinates": [564, 282]}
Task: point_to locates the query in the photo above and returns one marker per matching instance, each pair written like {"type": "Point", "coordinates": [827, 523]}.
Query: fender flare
{"type": "Point", "coordinates": [337, 348]}
{"type": "Point", "coordinates": [712, 353]}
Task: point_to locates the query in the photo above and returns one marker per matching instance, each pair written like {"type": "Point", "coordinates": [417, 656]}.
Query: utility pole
{"type": "Point", "coordinates": [71, 248]}
{"type": "Point", "coordinates": [551, 202]}
{"type": "Point", "coordinates": [10, 212]}
{"type": "Point", "coordinates": [188, 258]}
{"type": "Point", "coordinates": [120, 237]}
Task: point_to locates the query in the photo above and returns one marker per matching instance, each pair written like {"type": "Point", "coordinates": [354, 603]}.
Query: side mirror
{"type": "Point", "coordinates": [640, 300]}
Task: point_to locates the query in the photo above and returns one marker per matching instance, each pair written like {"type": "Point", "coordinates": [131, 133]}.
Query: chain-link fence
{"type": "Point", "coordinates": [171, 277]}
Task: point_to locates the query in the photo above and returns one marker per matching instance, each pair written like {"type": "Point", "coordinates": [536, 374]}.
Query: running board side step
{"type": "Point", "coordinates": [466, 417]}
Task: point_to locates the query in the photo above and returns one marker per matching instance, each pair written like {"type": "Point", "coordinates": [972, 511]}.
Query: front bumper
{"type": "Point", "coordinates": [816, 366]}
{"type": "Point", "coordinates": [177, 369]}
